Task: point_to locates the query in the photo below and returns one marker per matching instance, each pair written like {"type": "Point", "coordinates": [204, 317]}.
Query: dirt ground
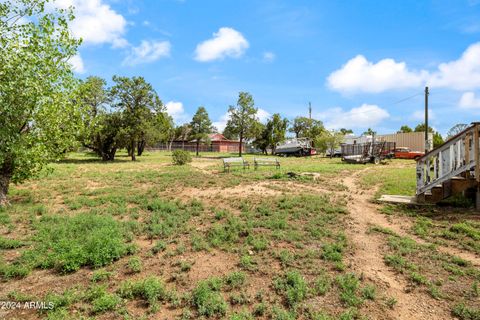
{"type": "Point", "coordinates": [365, 256]}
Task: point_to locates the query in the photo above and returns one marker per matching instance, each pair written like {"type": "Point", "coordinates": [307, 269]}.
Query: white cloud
{"type": "Point", "coordinates": [268, 56]}
{"type": "Point", "coordinates": [419, 115]}
{"type": "Point", "coordinates": [469, 101]}
{"type": "Point", "coordinates": [367, 115]}
{"type": "Point", "coordinates": [263, 115]}
{"type": "Point", "coordinates": [146, 52]}
{"type": "Point", "coordinates": [176, 111]}
{"type": "Point", "coordinates": [361, 75]}
{"type": "Point", "coordinates": [461, 74]}
{"type": "Point", "coordinates": [227, 42]}
{"type": "Point", "coordinates": [96, 22]}
{"type": "Point", "coordinates": [77, 63]}
{"type": "Point", "coordinates": [222, 122]}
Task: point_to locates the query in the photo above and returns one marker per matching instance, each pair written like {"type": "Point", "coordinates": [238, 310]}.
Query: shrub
{"type": "Point", "coordinates": [6, 243]}
{"type": "Point", "coordinates": [292, 286]}
{"type": "Point", "coordinates": [235, 280]}
{"type": "Point", "coordinates": [101, 275]}
{"type": "Point", "coordinates": [181, 157]}
{"type": "Point", "coordinates": [465, 313]}
{"type": "Point", "coordinates": [322, 284]}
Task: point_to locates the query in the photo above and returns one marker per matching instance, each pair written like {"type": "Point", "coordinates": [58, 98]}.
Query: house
{"type": "Point", "coordinates": [221, 144]}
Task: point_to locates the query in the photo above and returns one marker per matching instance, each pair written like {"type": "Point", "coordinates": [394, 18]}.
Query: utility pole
{"type": "Point", "coordinates": [427, 144]}
{"type": "Point", "coordinates": [310, 110]}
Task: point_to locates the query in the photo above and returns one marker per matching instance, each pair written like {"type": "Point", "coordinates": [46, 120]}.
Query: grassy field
{"type": "Point", "coordinates": [150, 240]}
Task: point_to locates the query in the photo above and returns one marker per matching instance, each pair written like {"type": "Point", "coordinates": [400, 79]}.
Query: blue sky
{"type": "Point", "coordinates": [353, 60]}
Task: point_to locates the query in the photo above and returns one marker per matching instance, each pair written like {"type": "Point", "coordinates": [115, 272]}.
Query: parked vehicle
{"type": "Point", "coordinates": [295, 147]}
{"type": "Point", "coordinates": [406, 153]}
{"type": "Point", "coordinates": [337, 153]}
{"type": "Point", "coordinates": [371, 152]}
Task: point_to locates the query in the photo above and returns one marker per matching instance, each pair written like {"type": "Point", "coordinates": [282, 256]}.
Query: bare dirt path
{"type": "Point", "coordinates": [368, 259]}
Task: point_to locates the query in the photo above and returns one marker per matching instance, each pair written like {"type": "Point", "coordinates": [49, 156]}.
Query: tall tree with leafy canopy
{"type": "Point", "coordinates": [38, 119]}
{"type": "Point", "coordinates": [201, 127]}
{"type": "Point", "coordinates": [437, 137]}
{"type": "Point", "coordinates": [405, 129]}
{"type": "Point", "coordinates": [243, 119]}
{"type": "Point", "coordinates": [304, 127]}
{"type": "Point", "coordinates": [278, 128]}
{"type": "Point", "coordinates": [137, 100]}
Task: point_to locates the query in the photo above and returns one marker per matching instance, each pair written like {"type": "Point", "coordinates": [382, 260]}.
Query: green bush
{"type": "Point", "coordinates": [180, 157]}
{"type": "Point", "coordinates": [135, 264]}
{"type": "Point", "coordinates": [68, 243]}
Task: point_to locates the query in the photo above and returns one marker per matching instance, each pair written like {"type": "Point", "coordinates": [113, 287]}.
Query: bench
{"type": "Point", "coordinates": [266, 162]}
{"type": "Point", "coordinates": [234, 162]}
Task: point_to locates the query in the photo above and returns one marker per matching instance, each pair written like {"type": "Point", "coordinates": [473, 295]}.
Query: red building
{"type": "Point", "coordinates": [222, 144]}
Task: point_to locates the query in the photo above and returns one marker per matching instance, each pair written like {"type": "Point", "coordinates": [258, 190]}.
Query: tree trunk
{"type": "Point", "coordinates": [240, 145]}
{"type": "Point", "coordinates": [132, 150]}
{"type": "Point", "coordinates": [6, 172]}
{"type": "Point", "coordinates": [198, 145]}
{"type": "Point", "coordinates": [141, 147]}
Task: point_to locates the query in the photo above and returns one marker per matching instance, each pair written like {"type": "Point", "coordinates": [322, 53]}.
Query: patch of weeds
{"type": "Point", "coordinates": [62, 300]}
{"type": "Point", "coordinates": [101, 275]}
{"type": "Point", "coordinates": [208, 300]}
{"type": "Point", "coordinates": [285, 257]}
{"type": "Point", "coordinates": [292, 286]}
{"type": "Point", "coordinates": [418, 278]}
{"type": "Point", "coordinates": [135, 265]}
{"type": "Point", "coordinates": [68, 243]}
{"type": "Point", "coordinates": [247, 263]}
{"type": "Point", "coordinates": [464, 312]}
{"type": "Point", "coordinates": [259, 309]}
{"type": "Point", "coordinates": [278, 313]}
{"type": "Point", "coordinates": [434, 291]}
{"type": "Point", "coordinates": [6, 243]}
{"type": "Point", "coordinates": [332, 252]}
{"type": "Point", "coordinates": [150, 289]}
{"type": "Point", "coordinates": [348, 285]}
{"type": "Point", "coordinates": [239, 298]}
{"type": "Point", "coordinates": [243, 315]}
{"type": "Point", "coordinates": [235, 279]}
{"type": "Point", "coordinates": [258, 243]}
{"type": "Point", "coordinates": [101, 300]}
{"type": "Point", "coordinates": [227, 233]}
{"type": "Point", "coordinates": [422, 226]}
{"type": "Point", "coordinates": [20, 296]}
{"type": "Point", "coordinates": [369, 292]}
{"type": "Point", "coordinates": [159, 246]}
{"type": "Point", "coordinates": [14, 270]}
{"type": "Point", "coordinates": [350, 314]}
{"type": "Point", "coordinates": [391, 302]}
{"type": "Point", "coordinates": [322, 284]}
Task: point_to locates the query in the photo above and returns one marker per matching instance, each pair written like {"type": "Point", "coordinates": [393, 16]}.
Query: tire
{"type": "Point", "coordinates": [376, 160]}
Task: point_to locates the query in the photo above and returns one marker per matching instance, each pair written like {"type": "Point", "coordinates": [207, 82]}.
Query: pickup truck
{"type": "Point", "coordinates": [406, 153]}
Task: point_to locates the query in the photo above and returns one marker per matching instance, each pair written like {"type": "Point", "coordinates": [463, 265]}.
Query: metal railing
{"type": "Point", "coordinates": [458, 155]}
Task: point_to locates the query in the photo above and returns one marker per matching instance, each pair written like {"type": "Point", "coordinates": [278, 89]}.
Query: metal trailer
{"type": "Point", "coordinates": [371, 152]}
{"type": "Point", "coordinates": [295, 147]}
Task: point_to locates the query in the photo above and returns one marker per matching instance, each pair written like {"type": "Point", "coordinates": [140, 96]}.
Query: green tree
{"type": "Point", "coordinates": [405, 129]}
{"type": "Point", "coordinates": [262, 139]}
{"type": "Point", "coordinates": [346, 131]}
{"type": "Point", "coordinates": [437, 137]}
{"type": "Point", "coordinates": [38, 121]}
{"type": "Point", "coordinates": [304, 127]}
{"type": "Point", "coordinates": [369, 132]}
{"type": "Point", "coordinates": [243, 119]}
{"type": "Point", "coordinates": [277, 129]}
{"type": "Point", "coordinates": [329, 141]}
{"type": "Point", "coordinates": [137, 100]}
{"type": "Point", "coordinates": [156, 129]}
{"type": "Point", "coordinates": [201, 127]}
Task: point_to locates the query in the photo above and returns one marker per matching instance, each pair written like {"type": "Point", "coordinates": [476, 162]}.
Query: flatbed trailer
{"type": "Point", "coordinates": [370, 152]}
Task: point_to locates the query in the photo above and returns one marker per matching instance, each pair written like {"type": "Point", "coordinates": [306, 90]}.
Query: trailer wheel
{"type": "Point", "coordinates": [376, 160]}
